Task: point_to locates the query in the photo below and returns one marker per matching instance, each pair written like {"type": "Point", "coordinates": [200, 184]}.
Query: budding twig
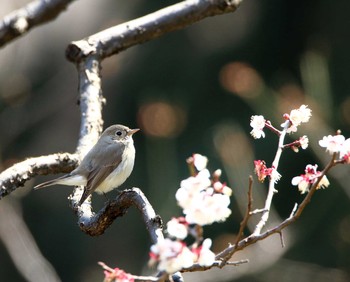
{"type": "Point", "coordinates": [253, 238]}
{"type": "Point", "coordinates": [272, 190]}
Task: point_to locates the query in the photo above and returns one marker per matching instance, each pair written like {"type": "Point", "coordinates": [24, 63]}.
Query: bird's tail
{"type": "Point", "coordinates": [65, 180]}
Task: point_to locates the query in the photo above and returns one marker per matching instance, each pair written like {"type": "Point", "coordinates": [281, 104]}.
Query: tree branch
{"type": "Point", "coordinates": [118, 38]}
{"type": "Point", "coordinates": [18, 174]}
{"type": "Point", "coordinates": [96, 224]}
{"type": "Point", "coordinates": [35, 13]}
{"type": "Point", "coordinates": [91, 102]}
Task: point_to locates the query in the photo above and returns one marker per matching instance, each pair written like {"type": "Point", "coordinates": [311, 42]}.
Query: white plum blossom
{"type": "Point", "coordinates": [296, 117]}
{"type": "Point", "coordinates": [333, 144]}
{"type": "Point", "coordinates": [301, 115]}
{"type": "Point", "coordinates": [205, 256]}
{"type": "Point", "coordinates": [337, 144]}
{"type": "Point", "coordinates": [258, 124]}
{"type": "Point", "coordinates": [200, 162]}
{"type": "Point", "coordinates": [191, 187]}
{"type": "Point", "coordinates": [171, 255]}
{"type": "Point", "coordinates": [311, 175]}
{"type": "Point", "coordinates": [177, 227]}
{"type": "Point", "coordinates": [207, 208]}
{"type": "Point", "coordinates": [222, 188]}
{"type": "Point", "coordinates": [302, 183]}
{"type": "Point", "coordinates": [304, 142]}
{"type": "Point", "coordinates": [202, 201]}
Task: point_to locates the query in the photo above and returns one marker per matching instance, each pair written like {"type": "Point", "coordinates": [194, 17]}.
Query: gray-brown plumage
{"type": "Point", "coordinates": [106, 166]}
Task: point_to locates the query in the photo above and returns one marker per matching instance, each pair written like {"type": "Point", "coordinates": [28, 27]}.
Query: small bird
{"type": "Point", "coordinates": [106, 166]}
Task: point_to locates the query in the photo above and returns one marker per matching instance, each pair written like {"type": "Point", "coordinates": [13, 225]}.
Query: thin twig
{"type": "Point", "coordinates": [272, 190]}
{"type": "Point", "coordinates": [256, 211]}
{"type": "Point", "coordinates": [293, 210]}
{"type": "Point", "coordinates": [239, 262]}
{"type": "Point", "coordinates": [244, 222]}
{"type": "Point", "coordinates": [218, 263]}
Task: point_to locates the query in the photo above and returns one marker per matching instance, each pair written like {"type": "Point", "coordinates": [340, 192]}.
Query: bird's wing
{"type": "Point", "coordinates": [98, 173]}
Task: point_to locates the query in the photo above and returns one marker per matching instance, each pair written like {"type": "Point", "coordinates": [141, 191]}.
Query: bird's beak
{"type": "Point", "coordinates": [132, 131]}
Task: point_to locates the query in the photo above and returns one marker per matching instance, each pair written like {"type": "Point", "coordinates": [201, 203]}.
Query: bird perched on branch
{"type": "Point", "coordinates": [106, 166]}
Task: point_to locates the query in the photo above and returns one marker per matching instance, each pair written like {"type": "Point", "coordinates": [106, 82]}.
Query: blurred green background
{"type": "Point", "coordinates": [189, 91]}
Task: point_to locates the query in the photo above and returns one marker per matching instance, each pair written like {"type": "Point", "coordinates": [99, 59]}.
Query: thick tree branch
{"type": "Point", "coordinates": [118, 38]}
{"type": "Point", "coordinates": [18, 174]}
{"type": "Point", "coordinates": [96, 224]}
{"type": "Point", "coordinates": [35, 13]}
{"type": "Point", "coordinates": [91, 102]}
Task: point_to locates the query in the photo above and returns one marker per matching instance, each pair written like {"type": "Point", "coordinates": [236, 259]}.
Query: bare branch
{"type": "Point", "coordinates": [18, 174]}
{"type": "Point", "coordinates": [118, 38]}
{"type": "Point", "coordinates": [197, 267]}
{"type": "Point", "coordinates": [96, 224]}
{"type": "Point", "coordinates": [247, 215]}
{"type": "Point", "coordinates": [35, 13]}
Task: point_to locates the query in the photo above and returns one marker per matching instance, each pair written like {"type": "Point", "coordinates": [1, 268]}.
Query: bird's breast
{"type": "Point", "coordinates": [120, 173]}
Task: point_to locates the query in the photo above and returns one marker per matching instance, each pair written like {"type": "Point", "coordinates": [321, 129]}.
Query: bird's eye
{"type": "Point", "coordinates": [119, 133]}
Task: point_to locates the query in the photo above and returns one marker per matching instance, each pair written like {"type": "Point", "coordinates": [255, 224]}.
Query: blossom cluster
{"type": "Point", "coordinates": [334, 144]}
{"type": "Point", "coordinates": [173, 255]}
{"type": "Point", "coordinates": [292, 121]}
{"type": "Point", "coordinates": [204, 200]}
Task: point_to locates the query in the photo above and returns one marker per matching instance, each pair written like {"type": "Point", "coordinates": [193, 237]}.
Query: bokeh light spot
{"type": "Point", "coordinates": [161, 119]}
{"type": "Point", "coordinates": [241, 79]}
{"type": "Point", "coordinates": [233, 145]}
